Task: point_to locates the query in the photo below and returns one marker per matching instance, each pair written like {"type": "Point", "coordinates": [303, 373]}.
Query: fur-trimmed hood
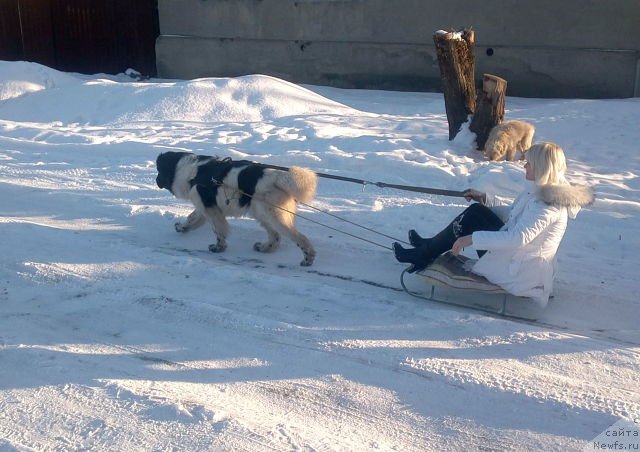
{"type": "Point", "coordinates": [573, 197]}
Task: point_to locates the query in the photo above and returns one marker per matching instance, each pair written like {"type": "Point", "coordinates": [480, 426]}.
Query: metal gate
{"type": "Point", "coordinates": [88, 36]}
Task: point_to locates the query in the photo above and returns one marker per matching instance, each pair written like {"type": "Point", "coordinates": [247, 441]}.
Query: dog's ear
{"type": "Point", "coordinates": [169, 159]}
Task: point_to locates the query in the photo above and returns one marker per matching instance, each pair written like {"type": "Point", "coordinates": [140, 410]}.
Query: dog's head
{"type": "Point", "coordinates": [494, 150]}
{"type": "Point", "coordinates": [523, 153]}
{"type": "Point", "coordinates": [166, 163]}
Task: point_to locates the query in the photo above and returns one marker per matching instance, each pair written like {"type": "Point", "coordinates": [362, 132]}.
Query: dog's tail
{"type": "Point", "coordinates": [301, 183]}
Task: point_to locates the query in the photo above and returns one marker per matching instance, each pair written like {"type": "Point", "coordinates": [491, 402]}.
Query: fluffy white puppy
{"type": "Point", "coordinates": [508, 138]}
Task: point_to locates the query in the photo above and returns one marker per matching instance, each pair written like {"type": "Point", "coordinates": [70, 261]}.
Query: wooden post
{"type": "Point", "coordinates": [456, 59]}
{"type": "Point", "coordinates": [490, 111]}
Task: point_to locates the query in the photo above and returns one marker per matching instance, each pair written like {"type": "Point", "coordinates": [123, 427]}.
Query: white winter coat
{"type": "Point", "coordinates": [521, 256]}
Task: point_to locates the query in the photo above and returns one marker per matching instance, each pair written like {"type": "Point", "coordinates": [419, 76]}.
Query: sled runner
{"type": "Point", "coordinates": [451, 282]}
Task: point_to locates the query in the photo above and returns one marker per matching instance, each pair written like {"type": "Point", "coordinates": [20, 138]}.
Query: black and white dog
{"type": "Point", "coordinates": [220, 188]}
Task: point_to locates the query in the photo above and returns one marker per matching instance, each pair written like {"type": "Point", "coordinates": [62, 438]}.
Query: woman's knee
{"type": "Point", "coordinates": [476, 208]}
{"type": "Point", "coordinates": [478, 217]}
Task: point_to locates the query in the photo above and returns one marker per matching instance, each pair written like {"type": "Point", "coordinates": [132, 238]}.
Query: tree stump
{"type": "Point", "coordinates": [455, 51]}
{"type": "Point", "coordinates": [490, 108]}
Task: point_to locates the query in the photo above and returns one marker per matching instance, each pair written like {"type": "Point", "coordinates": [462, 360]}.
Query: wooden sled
{"type": "Point", "coordinates": [452, 283]}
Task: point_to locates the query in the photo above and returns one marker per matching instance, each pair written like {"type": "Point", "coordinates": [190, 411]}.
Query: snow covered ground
{"type": "Point", "coordinates": [117, 333]}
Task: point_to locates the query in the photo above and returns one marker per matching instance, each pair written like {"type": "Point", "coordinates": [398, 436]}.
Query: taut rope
{"type": "Point", "coordinates": [431, 191]}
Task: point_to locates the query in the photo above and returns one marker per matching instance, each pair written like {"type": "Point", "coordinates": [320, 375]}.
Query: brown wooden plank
{"type": "Point", "coordinates": [105, 35]}
{"type": "Point", "coordinates": [138, 29]}
{"type": "Point", "coordinates": [37, 32]}
{"type": "Point", "coordinates": [83, 33]}
{"type": "Point", "coordinates": [10, 37]}
{"type": "Point", "coordinates": [89, 36]}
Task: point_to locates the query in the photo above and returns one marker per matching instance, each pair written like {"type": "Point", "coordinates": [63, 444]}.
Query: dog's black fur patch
{"type": "Point", "coordinates": [247, 181]}
{"type": "Point", "coordinates": [207, 194]}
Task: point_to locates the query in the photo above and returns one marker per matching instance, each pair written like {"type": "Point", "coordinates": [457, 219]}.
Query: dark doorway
{"type": "Point", "coordinates": [87, 36]}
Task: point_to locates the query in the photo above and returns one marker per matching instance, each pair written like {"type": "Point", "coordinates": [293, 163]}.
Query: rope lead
{"type": "Point", "coordinates": [427, 190]}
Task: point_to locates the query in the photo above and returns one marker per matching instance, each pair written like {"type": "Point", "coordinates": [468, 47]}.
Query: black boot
{"type": "Point", "coordinates": [417, 240]}
{"type": "Point", "coordinates": [418, 257]}
{"type": "Point", "coordinates": [428, 249]}
{"type": "Point", "coordinates": [406, 255]}
{"type": "Point", "coordinates": [443, 241]}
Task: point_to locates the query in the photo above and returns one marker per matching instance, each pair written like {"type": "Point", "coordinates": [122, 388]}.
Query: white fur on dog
{"type": "Point", "coordinates": [508, 138]}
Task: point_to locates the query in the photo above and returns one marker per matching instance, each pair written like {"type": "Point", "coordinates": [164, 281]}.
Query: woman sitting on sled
{"type": "Point", "coordinates": [518, 242]}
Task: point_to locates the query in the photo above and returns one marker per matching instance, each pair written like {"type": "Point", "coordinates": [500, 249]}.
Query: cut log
{"type": "Point", "coordinates": [455, 51]}
{"type": "Point", "coordinates": [490, 108]}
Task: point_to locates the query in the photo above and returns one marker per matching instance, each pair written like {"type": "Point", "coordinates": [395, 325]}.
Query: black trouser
{"type": "Point", "coordinates": [476, 217]}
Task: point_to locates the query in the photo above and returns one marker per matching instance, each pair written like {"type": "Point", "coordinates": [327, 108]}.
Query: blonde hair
{"type": "Point", "coordinates": [548, 161]}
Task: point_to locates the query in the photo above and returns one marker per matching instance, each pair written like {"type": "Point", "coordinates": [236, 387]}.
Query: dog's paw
{"type": "Point", "coordinates": [180, 227]}
{"type": "Point", "coordinates": [309, 257]}
{"type": "Point", "coordinates": [308, 260]}
{"type": "Point", "coordinates": [217, 248]}
{"type": "Point", "coordinates": [265, 247]}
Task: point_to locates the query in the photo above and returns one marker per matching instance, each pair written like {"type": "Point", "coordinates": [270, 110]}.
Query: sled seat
{"type": "Point", "coordinates": [452, 271]}
{"type": "Point", "coordinates": [453, 283]}
{"type": "Point", "coordinates": [457, 285]}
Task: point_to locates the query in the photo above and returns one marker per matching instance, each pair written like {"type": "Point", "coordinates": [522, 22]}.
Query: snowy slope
{"type": "Point", "coordinates": [116, 333]}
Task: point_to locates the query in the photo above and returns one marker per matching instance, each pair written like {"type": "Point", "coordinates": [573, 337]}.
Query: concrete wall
{"type": "Point", "coordinates": [543, 48]}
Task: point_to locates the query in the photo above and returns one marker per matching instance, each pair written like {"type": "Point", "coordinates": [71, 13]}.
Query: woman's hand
{"type": "Point", "coordinates": [461, 243]}
{"type": "Point", "coordinates": [476, 195]}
